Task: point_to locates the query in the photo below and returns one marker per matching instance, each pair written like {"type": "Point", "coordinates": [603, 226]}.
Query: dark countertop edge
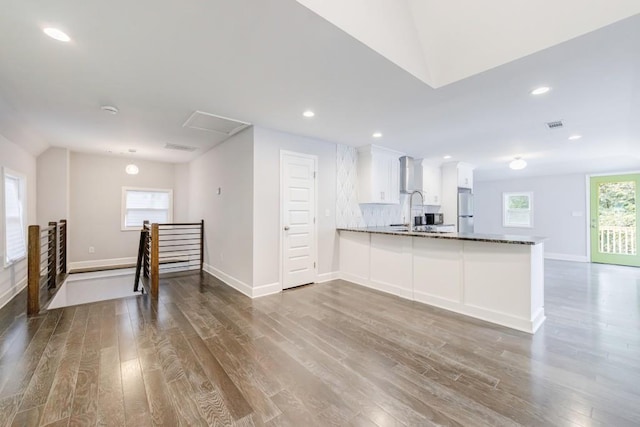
{"type": "Point", "coordinates": [489, 238]}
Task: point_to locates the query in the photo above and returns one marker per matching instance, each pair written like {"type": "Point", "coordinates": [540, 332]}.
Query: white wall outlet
{"type": "Point", "coordinates": [92, 250]}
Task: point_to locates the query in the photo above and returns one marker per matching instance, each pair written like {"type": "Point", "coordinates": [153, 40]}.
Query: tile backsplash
{"type": "Point", "coordinates": [351, 214]}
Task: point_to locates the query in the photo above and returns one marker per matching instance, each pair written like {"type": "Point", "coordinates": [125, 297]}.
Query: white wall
{"type": "Point", "coordinates": [556, 199]}
{"type": "Point", "coordinates": [181, 192]}
{"type": "Point", "coordinates": [96, 202]}
{"type": "Point", "coordinates": [14, 278]}
{"type": "Point", "coordinates": [228, 217]}
{"type": "Point", "coordinates": [53, 186]}
{"type": "Point", "coordinates": [266, 218]}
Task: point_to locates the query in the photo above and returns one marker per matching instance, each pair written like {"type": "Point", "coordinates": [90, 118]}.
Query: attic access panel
{"type": "Point", "coordinates": [212, 123]}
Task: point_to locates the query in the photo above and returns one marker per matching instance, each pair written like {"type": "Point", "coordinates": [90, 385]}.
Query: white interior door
{"type": "Point", "coordinates": [298, 194]}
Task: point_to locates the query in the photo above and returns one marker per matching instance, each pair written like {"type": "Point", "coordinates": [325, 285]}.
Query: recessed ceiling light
{"type": "Point", "coordinates": [517, 164]}
{"type": "Point", "coordinates": [377, 135]}
{"type": "Point", "coordinates": [132, 169]}
{"type": "Point", "coordinates": [308, 113]}
{"type": "Point", "coordinates": [540, 90]}
{"type": "Point", "coordinates": [575, 137]}
{"type": "Point", "coordinates": [57, 34]}
{"type": "Point", "coordinates": [446, 157]}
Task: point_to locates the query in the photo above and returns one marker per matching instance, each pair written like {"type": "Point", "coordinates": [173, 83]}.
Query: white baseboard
{"type": "Point", "coordinates": [113, 262]}
{"type": "Point", "coordinates": [264, 290]}
{"type": "Point", "coordinates": [538, 320]}
{"type": "Point", "coordinates": [503, 319]}
{"type": "Point", "coordinates": [566, 257]}
{"type": "Point", "coordinates": [327, 277]}
{"type": "Point", "coordinates": [236, 284]}
{"type": "Point", "coordinates": [101, 274]}
{"type": "Point", "coordinates": [12, 292]}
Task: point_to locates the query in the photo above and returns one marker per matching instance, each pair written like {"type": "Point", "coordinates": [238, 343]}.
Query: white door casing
{"type": "Point", "coordinates": [298, 219]}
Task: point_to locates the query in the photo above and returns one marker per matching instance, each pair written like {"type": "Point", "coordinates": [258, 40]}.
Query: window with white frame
{"type": "Point", "coordinates": [15, 189]}
{"type": "Point", "coordinates": [517, 210]}
{"type": "Point", "coordinates": [140, 204]}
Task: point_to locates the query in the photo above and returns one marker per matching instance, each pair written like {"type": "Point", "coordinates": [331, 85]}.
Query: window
{"type": "Point", "coordinates": [15, 190]}
{"type": "Point", "coordinates": [140, 204]}
{"type": "Point", "coordinates": [517, 210]}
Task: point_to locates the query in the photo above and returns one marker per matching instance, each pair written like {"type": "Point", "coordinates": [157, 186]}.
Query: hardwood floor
{"type": "Point", "coordinates": [327, 354]}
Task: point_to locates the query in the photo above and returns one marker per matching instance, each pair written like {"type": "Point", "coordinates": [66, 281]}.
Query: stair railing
{"type": "Point", "coordinates": [46, 262]}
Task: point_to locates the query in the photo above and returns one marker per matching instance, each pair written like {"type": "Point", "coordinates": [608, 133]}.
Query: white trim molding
{"type": "Point", "coordinates": [327, 277]}
{"type": "Point", "coordinates": [566, 257]}
{"type": "Point", "coordinates": [229, 280]}
{"type": "Point", "coordinates": [98, 263]}
{"type": "Point", "coordinates": [240, 286]}
{"type": "Point", "coordinates": [12, 292]}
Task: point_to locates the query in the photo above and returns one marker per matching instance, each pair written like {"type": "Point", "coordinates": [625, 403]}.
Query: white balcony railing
{"type": "Point", "coordinates": [618, 240]}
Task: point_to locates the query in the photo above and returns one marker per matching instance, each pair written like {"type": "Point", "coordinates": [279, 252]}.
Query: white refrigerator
{"type": "Point", "coordinates": [465, 211]}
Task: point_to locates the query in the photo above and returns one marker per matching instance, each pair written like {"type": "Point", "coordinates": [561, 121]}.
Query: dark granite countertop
{"type": "Point", "coordinates": [495, 238]}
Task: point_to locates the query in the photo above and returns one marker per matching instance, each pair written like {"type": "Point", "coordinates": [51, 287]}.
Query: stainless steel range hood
{"type": "Point", "coordinates": [407, 184]}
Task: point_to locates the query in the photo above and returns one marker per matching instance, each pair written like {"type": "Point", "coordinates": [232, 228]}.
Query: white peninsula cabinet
{"type": "Point", "coordinates": [495, 278]}
{"type": "Point", "coordinates": [378, 175]}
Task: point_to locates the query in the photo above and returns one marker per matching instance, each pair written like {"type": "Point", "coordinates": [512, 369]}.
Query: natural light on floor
{"type": "Point", "coordinates": [81, 288]}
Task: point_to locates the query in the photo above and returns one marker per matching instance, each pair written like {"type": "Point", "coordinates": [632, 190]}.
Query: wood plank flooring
{"type": "Point", "coordinates": [328, 354]}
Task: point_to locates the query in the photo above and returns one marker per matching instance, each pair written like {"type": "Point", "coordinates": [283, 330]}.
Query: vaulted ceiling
{"type": "Point", "coordinates": [265, 62]}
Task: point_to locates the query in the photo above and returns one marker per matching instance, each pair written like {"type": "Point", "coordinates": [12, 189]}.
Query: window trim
{"type": "Point", "coordinates": [123, 204]}
{"type": "Point", "coordinates": [505, 199]}
{"type": "Point", "coordinates": [22, 178]}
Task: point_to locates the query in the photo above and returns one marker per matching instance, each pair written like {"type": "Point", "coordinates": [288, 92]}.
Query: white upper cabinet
{"type": "Point", "coordinates": [465, 175]}
{"type": "Point", "coordinates": [378, 175]}
{"type": "Point", "coordinates": [432, 184]}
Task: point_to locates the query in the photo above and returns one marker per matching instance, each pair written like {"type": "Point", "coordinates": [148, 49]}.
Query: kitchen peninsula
{"type": "Point", "coordinates": [497, 278]}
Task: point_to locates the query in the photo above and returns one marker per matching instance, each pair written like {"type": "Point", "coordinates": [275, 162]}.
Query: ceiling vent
{"type": "Point", "coordinates": [179, 147]}
{"type": "Point", "coordinates": [212, 123]}
{"type": "Point", "coordinates": [555, 125]}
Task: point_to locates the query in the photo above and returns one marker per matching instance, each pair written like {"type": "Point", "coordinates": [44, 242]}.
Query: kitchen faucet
{"type": "Point", "coordinates": [411, 207]}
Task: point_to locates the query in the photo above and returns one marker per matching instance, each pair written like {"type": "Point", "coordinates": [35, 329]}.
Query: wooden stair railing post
{"type": "Point", "coordinates": [63, 246]}
{"type": "Point", "coordinates": [155, 259]}
{"type": "Point", "coordinates": [33, 271]}
{"type": "Point", "coordinates": [52, 259]}
{"type": "Point", "coordinates": [201, 245]}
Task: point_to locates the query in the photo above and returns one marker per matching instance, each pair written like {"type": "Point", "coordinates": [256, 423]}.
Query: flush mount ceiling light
{"type": "Point", "coordinates": [308, 113]}
{"type": "Point", "coordinates": [575, 137]}
{"type": "Point", "coordinates": [132, 169]}
{"type": "Point", "coordinates": [446, 157]}
{"type": "Point", "coordinates": [517, 164]}
{"type": "Point", "coordinates": [57, 34]}
{"type": "Point", "coordinates": [110, 109]}
{"type": "Point", "coordinates": [377, 135]}
{"type": "Point", "coordinates": [540, 90]}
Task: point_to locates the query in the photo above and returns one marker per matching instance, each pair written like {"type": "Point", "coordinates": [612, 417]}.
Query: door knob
{"type": "Point", "coordinates": [286, 228]}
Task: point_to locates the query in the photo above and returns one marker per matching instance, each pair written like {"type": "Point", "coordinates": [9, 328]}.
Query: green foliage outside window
{"type": "Point", "coordinates": [519, 202]}
{"type": "Point", "coordinates": [617, 202]}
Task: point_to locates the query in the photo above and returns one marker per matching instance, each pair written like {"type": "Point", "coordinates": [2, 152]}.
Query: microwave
{"type": "Point", "coordinates": [434, 219]}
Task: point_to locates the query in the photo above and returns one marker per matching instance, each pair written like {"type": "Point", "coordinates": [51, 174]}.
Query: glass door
{"type": "Point", "coordinates": [614, 219]}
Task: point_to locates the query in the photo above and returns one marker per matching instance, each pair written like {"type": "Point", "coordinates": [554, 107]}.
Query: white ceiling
{"type": "Point", "coordinates": [444, 42]}
{"type": "Point", "coordinates": [266, 62]}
